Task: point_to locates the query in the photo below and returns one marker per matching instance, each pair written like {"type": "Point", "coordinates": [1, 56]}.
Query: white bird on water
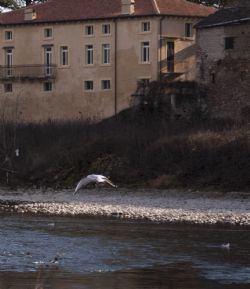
{"type": "Point", "coordinates": [225, 246]}
{"type": "Point", "coordinates": [93, 179]}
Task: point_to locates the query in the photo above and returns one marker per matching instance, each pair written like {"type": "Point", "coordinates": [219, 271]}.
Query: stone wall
{"type": "Point", "coordinates": [226, 73]}
{"type": "Point", "coordinates": [229, 88]}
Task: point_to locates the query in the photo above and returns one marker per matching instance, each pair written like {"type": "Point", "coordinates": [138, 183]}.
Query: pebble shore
{"type": "Point", "coordinates": [153, 205]}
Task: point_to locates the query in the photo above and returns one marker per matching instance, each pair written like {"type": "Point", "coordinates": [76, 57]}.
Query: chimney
{"type": "Point", "coordinates": [29, 14]}
{"type": "Point", "coordinates": [128, 7]}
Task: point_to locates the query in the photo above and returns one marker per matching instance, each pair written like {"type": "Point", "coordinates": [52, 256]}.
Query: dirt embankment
{"type": "Point", "coordinates": [134, 149]}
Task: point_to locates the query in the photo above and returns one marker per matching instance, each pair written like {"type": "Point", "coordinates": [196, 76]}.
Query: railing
{"type": "Point", "coordinates": [31, 72]}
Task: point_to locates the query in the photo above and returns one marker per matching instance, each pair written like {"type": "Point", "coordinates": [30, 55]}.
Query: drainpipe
{"type": "Point", "coordinates": [115, 68]}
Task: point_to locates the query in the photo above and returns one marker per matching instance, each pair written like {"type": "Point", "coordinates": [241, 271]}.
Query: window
{"type": "Point", "coordinates": [8, 87]}
{"type": "Point", "coordinates": [106, 84]}
{"type": "Point", "coordinates": [145, 52]}
{"type": "Point", "coordinates": [8, 35]}
{"type": "Point", "coordinates": [145, 26]}
{"type": "Point", "coordinates": [145, 82]}
{"type": "Point", "coordinates": [9, 61]}
{"type": "Point", "coordinates": [213, 79]}
{"type": "Point", "coordinates": [243, 75]}
{"type": "Point", "coordinates": [88, 85]}
{"type": "Point", "coordinates": [106, 53]}
{"type": "Point", "coordinates": [48, 33]}
{"type": "Point", "coordinates": [170, 49]}
{"type": "Point", "coordinates": [9, 57]}
{"type": "Point", "coordinates": [48, 60]}
{"type": "Point", "coordinates": [106, 29]}
{"type": "Point", "coordinates": [188, 30]}
{"type": "Point", "coordinates": [89, 54]}
{"type": "Point", "coordinates": [229, 43]}
{"type": "Point", "coordinates": [64, 56]}
{"type": "Point", "coordinates": [89, 30]}
{"type": "Point", "coordinates": [47, 86]}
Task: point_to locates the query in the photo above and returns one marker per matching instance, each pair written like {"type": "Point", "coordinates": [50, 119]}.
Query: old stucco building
{"type": "Point", "coordinates": [223, 56]}
{"type": "Point", "coordinates": [81, 59]}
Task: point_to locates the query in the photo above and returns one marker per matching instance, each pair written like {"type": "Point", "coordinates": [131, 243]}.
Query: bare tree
{"type": "Point", "coordinates": [219, 3]}
{"type": "Point", "coordinates": [15, 4]}
{"type": "Point", "coordinates": [11, 4]}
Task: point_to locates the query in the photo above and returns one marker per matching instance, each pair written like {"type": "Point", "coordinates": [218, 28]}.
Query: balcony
{"type": "Point", "coordinates": [28, 72]}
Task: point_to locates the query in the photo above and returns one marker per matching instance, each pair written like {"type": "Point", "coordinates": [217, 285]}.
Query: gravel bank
{"type": "Point", "coordinates": [153, 205]}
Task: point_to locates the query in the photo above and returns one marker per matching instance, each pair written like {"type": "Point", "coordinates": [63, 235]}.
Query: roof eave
{"type": "Point", "coordinates": [37, 22]}
{"type": "Point", "coordinates": [225, 23]}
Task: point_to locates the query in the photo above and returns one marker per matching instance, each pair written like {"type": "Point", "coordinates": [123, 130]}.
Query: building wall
{"type": "Point", "coordinates": [173, 29]}
{"type": "Point", "coordinates": [68, 100]}
{"type": "Point", "coordinates": [130, 68]}
{"type": "Point", "coordinates": [226, 72]}
{"type": "Point", "coordinates": [210, 48]}
{"type": "Point", "coordinates": [242, 40]}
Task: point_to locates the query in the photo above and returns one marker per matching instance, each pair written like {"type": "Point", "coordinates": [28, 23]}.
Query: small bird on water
{"type": "Point", "coordinates": [93, 179]}
{"type": "Point", "coordinates": [225, 246]}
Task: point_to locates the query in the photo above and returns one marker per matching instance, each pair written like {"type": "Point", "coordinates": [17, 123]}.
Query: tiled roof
{"type": "Point", "coordinates": [226, 16]}
{"type": "Point", "coordinates": [72, 10]}
{"type": "Point", "coordinates": [183, 8]}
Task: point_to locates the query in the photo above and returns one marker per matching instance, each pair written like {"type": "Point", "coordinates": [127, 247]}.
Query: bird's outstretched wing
{"type": "Point", "coordinates": [82, 183]}
{"type": "Point", "coordinates": [109, 182]}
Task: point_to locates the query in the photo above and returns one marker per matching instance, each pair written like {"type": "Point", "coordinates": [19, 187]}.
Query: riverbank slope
{"type": "Point", "coordinates": [134, 148]}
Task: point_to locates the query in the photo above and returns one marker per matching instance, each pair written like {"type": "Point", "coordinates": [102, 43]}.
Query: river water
{"type": "Point", "coordinates": [93, 253]}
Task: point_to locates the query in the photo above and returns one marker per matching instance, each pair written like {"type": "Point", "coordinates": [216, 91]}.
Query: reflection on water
{"type": "Point", "coordinates": [176, 276]}
{"type": "Point", "coordinates": [42, 252]}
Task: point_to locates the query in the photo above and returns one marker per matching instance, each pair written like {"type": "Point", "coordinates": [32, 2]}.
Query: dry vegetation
{"type": "Point", "coordinates": [134, 149]}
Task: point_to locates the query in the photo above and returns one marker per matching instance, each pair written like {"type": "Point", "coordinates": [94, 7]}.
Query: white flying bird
{"type": "Point", "coordinates": [93, 179]}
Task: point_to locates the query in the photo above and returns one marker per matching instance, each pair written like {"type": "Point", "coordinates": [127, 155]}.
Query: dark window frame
{"type": "Point", "coordinates": [106, 53]}
{"type": "Point", "coordinates": [106, 29]}
{"type": "Point", "coordinates": [188, 29]}
{"type": "Point", "coordinates": [106, 84]}
{"type": "Point", "coordinates": [229, 43]}
{"type": "Point", "coordinates": [145, 52]}
{"type": "Point", "coordinates": [146, 26]}
{"type": "Point", "coordinates": [89, 30]}
{"type": "Point", "coordinates": [8, 87]}
{"type": "Point", "coordinates": [88, 85]}
{"type": "Point", "coordinates": [8, 35]}
{"type": "Point", "coordinates": [47, 86]}
{"type": "Point", "coordinates": [48, 32]}
{"type": "Point", "coordinates": [213, 78]}
{"type": "Point", "coordinates": [64, 55]}
{"type": "Point", "coordinates": [89, 54]}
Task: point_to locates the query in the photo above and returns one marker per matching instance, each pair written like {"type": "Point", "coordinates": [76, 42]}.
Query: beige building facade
{"type": "Point", "coordinates": [61, 61]}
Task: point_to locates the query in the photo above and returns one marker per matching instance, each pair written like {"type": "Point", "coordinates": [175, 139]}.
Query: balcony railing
{"type": "Point", "coordinates": [31, 72]}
